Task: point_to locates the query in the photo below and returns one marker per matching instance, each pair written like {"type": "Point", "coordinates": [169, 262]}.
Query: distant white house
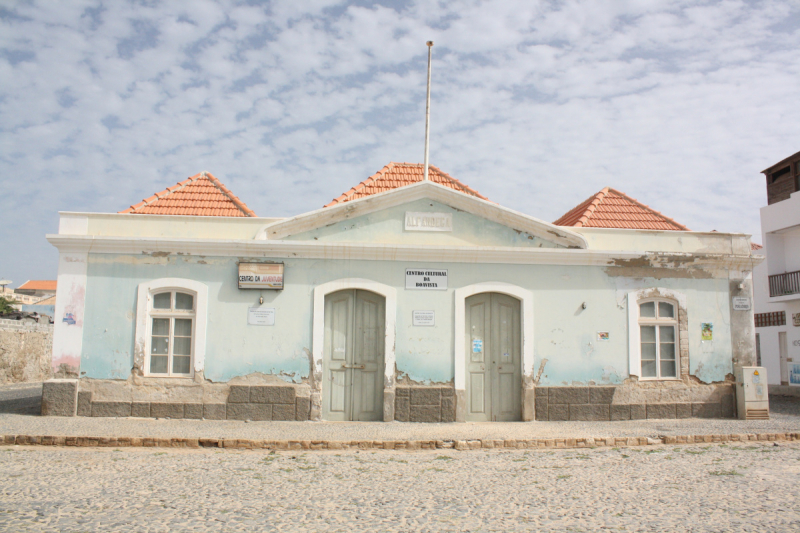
{"type": "Point", "coordinates": [777, 280]}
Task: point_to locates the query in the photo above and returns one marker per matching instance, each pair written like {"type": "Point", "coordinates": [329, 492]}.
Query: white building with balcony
{"type": "Point", "coordinates": [777, 280]}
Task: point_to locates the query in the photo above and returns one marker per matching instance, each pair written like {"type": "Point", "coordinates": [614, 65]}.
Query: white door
{"type": "Point", "coordinates": [783, 351]}
{"type": "Point", "coordinates": [353, 356]}
{"type": "Point", "coordinates": [494, 373]}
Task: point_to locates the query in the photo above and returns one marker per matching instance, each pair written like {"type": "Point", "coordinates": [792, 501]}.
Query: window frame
{"type": "Point", "coordinates": [144, 323]}
{"type": "Point", "coordinates": [170, 314]}
{"type": "Point", "coordinates": [657, 322]}
{"type": "Point", "coordinates": [679, 301]}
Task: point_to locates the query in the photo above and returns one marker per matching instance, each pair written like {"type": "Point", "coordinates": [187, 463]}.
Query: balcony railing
{"type": "Point", "coordinates": [784, 284]}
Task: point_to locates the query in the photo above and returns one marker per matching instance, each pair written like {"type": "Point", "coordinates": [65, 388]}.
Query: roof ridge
{"type": "Point", "coordinates": [647, 207]}
{"type": "Point", "coordinates": [227, 192]}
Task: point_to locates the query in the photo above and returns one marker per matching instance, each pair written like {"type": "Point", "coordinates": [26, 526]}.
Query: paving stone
{"type": "Point", "coordinates": [683, 410]}
{"type": "Point", "coordinates": [661, 410]}
{"type": "Point", "coordinates": [601, 394]}
{"type": "Point", "coordinates": [426, 396]}
{"type": "Point", "coordinates": [302, 408]}
{"type": "Point", "coordinates": [425, 413]}
{"type": "Point", "coordinates": [140, 409]}
{"type": "Point", "coordinates": [84, 403]}
{"type": "Point", "coordinates": [283, 411]}
{"type": "Point", "coordinates": [111, 408]}
{"type": "Point", "coordinates": [620, 412]}
{"type": "Point", "coordinates": [166, 410]}
{"type": "Point", "coordinates": [249, 411]}
{"type": "Point", "coordinates": [448, 408]}
{"type": "Point", "coordinates": [214, 411]}
{"type": "Point", "coordinates": [561, 395]}
{"type": "Point", "coordinates": [239, 394]}
{"type": "Point", "coordinates": [558, 411]}
{"type": "Point", "coordinates": [59, 397]}
{"type": "Point", "coordinates": [706, 410]}
{"type": "Point", "coordinates": [589, 412]}
{"type": "Point", "coordinates": [638, 411]}
{"type": "Point", "coordinates": [193, 410]}
{"type": "Point", "coordinates": [272, 394]}
{"type": "Point", "coordinates": [402, 411]}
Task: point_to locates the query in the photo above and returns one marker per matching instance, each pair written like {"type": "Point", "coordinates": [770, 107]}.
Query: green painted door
{"type": "Point", "coordinates": [493, 343]}
{"type": "Point", "coordinates": [353, 356]}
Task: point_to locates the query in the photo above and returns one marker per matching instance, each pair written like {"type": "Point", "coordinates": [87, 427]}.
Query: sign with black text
{"type": "Point", "coordinates": [261, 276]}
{"type": "Point", "coordinates": [423, 279]}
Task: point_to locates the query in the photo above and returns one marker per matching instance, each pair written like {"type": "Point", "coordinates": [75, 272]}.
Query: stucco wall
{"type": "Point", "coordinates": [564, 333]}
{"type": "Point", "coordinates": [25, 352]}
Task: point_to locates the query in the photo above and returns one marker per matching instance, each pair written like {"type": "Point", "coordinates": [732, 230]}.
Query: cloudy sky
{"type": "Point", "coordinates": [537, 105]}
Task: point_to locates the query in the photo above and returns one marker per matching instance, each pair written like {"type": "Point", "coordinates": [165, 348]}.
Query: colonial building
{"type": "Point", "coordinates": [402, 299]}
{"type": "Point", "coordinates": [777, 280]}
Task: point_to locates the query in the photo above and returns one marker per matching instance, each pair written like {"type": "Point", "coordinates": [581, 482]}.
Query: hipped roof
{"type": "Point", "coordinates": [611, 208]}
{"type": "Point", "coordinates": [200, 195]}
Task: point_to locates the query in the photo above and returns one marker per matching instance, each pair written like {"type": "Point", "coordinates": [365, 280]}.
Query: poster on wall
{"type": "Point", "coordinates": [264, 276]}
{"type": "Point", "coordinates": [796, 319]}
{"type": "Point", "coordinates": [602, 335]}
{"type": "Point", "coordinates": [707, 331]}
{"type": "Point", "coordinates": [794, 373]}
{"type": "Point", "coordinates": [423, 318]}
{"type": "Point", "coordinates": [261, 316]}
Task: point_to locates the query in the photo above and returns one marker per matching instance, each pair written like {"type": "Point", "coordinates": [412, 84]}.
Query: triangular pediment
{"type": "Point", "coordinates": [424, 213]}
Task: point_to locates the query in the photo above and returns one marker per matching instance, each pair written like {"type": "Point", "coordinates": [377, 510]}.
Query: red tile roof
{"type": "Point", "coordinates": [755, 246]}
{"type": "Point", "coordinates": [200, 195]}
{"type": "Point", "coordinates": [395, 175]}
{"type": "Point", "coordinates": [39, 285]}
{"type": "Point", "coordinates": [610, 208]}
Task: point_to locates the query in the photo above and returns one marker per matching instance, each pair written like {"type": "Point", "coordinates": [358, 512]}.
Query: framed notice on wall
{"type": "Point", "coordinates": [261, 276]}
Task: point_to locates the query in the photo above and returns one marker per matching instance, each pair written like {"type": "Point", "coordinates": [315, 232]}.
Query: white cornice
{"type": "Point", "coordinates": [424, 189]}
{"type": "Point", "coordinates": [386, 252]}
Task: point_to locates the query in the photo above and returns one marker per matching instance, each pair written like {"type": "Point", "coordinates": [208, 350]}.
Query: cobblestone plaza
{"type": "Point", "coordinates": [713, 487]}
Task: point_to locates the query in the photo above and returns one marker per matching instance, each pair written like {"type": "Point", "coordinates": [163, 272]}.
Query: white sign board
{"type": "Point", "coordinates": [741, 303]}
{"type": "Point", "coordinates": [432, 280]}
{"type": "Point", "coordinates": [424, 318]}
{"type": "Point", "coordinates": [416, 221]}
{"type": "Point", "coordinates": [261, 276]}
{"type": "Point", "coordinates": [261, 316]}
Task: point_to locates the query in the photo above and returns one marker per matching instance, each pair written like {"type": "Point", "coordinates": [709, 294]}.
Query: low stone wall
{"type": "Point", "coordinates": [784, 390]}
{"type": "Point", "coordinates": [26, 351]}
{"type": "Point", "coordinates": [677, 400]}
{"type": "Point", "coordinates": [425, 404]}
{"type": "Point", "coordinates": [244, 402]}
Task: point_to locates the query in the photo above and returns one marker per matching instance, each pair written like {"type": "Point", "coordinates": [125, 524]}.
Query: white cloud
{"type": "Point", "coordinates": [536, 104]}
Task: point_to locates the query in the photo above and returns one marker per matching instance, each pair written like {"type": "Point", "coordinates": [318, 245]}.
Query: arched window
{"type": "Point", "coordinates": [172, 320]}
{"type": "Point", "coordinates": [171, 327]}
{"type": "Point", "coordinates": [658, 336]}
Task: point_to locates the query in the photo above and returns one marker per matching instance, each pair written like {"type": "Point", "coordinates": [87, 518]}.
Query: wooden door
{"type": "Point", "coordinates": [494, 376]}
{"type": "Point", "coordinates": [353, 356]}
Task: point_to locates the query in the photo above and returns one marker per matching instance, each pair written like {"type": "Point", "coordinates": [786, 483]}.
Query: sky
{"type": "Point", "coordinates": [536, 104]}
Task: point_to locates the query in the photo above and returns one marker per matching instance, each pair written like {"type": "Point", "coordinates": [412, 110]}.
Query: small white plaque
{"type": "Point", "coordinates": [424, 318]}
{"type": "Point", "coordinates": [417, 221]}
{"type": "Point", "coordinates": [424, 279]}
{"type": "Point", "coordinates": [261, 316]}
{"type": "Point", "coordinates": [741, 303]}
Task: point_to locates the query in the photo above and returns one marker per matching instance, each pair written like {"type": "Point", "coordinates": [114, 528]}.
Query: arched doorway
{"type": "Point", "coordinates": [493, 343]}
{"type": "Point", "coordinates": [354, 356]}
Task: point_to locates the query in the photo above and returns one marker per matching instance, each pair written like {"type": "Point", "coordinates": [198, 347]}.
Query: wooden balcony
{"type": "Point", "coordinates": [784, 284]}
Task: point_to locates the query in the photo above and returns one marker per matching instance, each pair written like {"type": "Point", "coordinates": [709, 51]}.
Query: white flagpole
{"type": "Point", "coordinates": [428, 112]}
